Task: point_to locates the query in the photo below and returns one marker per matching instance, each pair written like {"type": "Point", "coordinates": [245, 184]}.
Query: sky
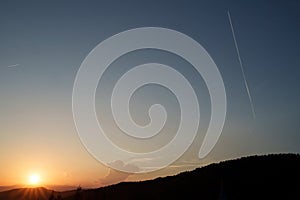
{"type": "Point", "coordinates": [43, 44]}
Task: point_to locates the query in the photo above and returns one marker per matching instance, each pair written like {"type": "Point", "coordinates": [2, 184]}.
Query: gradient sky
{"type": "Point", "coordinates": [42, 45]}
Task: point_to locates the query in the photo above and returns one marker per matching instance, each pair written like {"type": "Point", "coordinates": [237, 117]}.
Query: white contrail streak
{"type": "Point", "coordinates": [13, 65]}
{"type": "Point", "coordinates": [241, 64]}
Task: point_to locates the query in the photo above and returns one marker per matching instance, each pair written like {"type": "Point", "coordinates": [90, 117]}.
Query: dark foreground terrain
{"type": "Point", "coordinates": [255, 177]}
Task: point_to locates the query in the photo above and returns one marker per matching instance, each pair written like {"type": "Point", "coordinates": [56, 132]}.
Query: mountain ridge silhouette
{"type": "Point", "coordinates": [275, 176]}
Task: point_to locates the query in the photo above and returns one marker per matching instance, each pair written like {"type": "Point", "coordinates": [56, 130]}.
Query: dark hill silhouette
{"type": "Point", "coordinates": [255, 177]}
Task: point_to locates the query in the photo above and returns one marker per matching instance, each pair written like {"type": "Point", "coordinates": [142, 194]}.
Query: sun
{"type": "Point", "coordinates": [34, 179]}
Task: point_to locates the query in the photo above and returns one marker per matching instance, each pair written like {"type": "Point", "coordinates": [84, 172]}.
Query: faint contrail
{"type": "Point", "coordinates": [13, 65]}
{"type": "Point", "coordinates": [241, 64]}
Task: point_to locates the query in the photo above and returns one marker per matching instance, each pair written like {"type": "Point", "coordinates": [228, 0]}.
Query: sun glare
{"type": "Point", "coordinates": [34, 179]}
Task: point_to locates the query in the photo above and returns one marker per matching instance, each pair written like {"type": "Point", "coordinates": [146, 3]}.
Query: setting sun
{"type": "Point", "coordinates": [34, 179]}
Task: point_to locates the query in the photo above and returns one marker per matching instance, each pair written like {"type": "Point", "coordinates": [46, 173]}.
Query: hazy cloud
{"type": "Point", "coordinates": [14, 65]}
{"type": "Point", "coordinates": [115, 176]}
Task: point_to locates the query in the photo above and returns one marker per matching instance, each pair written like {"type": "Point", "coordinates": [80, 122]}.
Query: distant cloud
{"type": "Point", "coordinates": [67, 175]}
{"type": "Point", "coordinates": [184, 165]}
{"type": "Point", "coordinates": [61, 187]}
{"type": "Point", "coordinates": [115, 176]}
{"type": "Point", "coordinates": [14, 65]}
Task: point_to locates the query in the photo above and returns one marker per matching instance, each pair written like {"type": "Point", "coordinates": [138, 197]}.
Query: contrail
{"type": "Point", "coordinates": [241, 64]}
{"type": "Point", "coordinates": [13, 65]}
